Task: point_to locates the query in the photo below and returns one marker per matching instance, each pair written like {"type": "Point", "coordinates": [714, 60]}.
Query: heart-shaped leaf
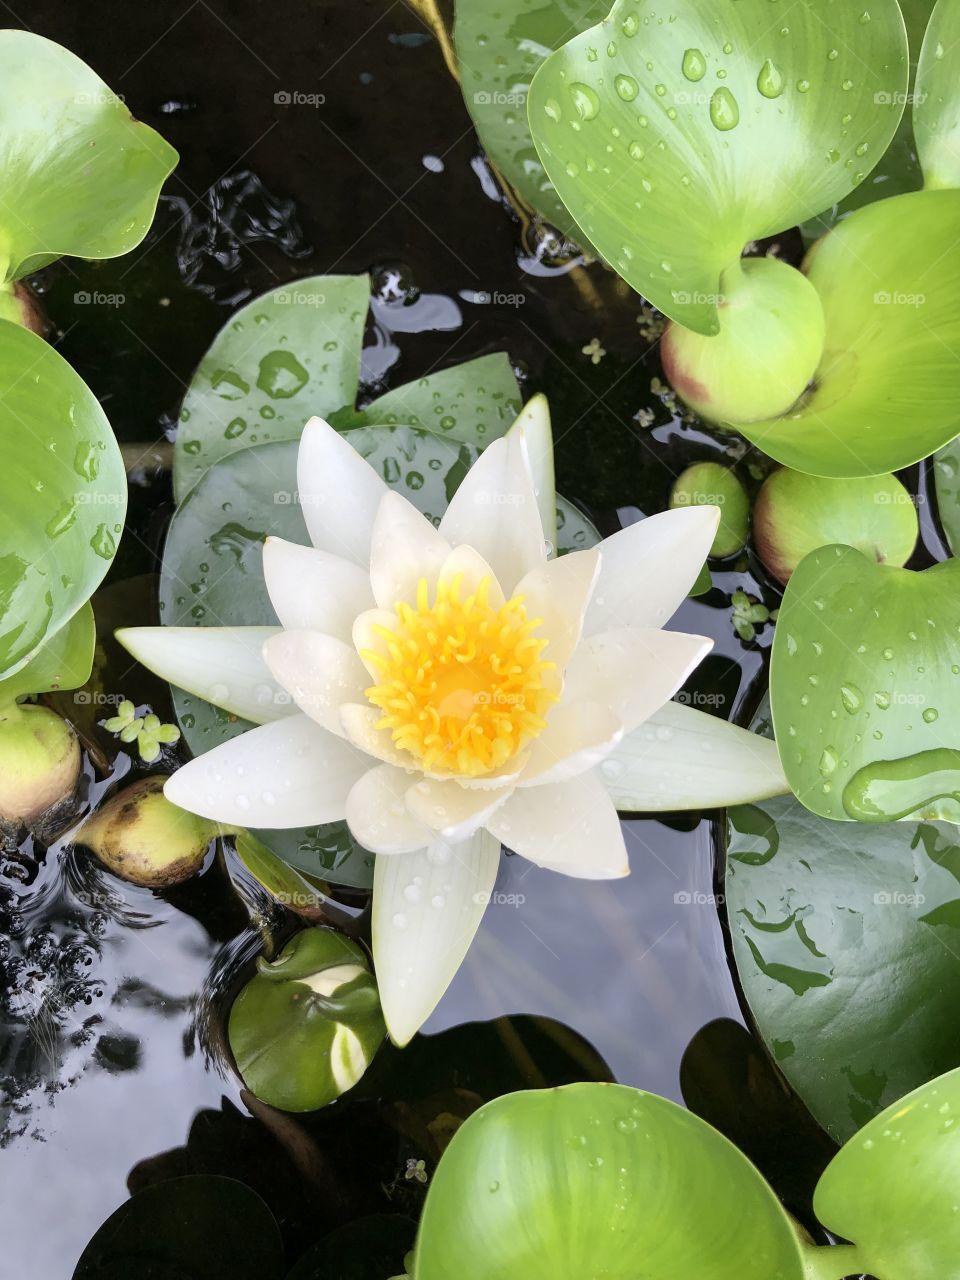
{"type": "Point", "coordinates": [63, 661]}
{"type": "Point", "coordinates": [81, 176]}
{"type": "Point", "coordinates": [936, 115]}
{"type": "Point", "coordinates": [63, 494]}
{"type": "Point", "coordinates": [599, 1180]}
{"type": "Point", "coordinates": [499, 48]}
{"type": "Point", "coordinates": [893, 1188]}
{"type": "Point", "coordinates": [845, 940]}
{"type": "Point", "coordinates": [674, 143]}
{"type": "Point", "coordinates": [888, 387]}
{"type": "Point", "coordinates": [865, 688]}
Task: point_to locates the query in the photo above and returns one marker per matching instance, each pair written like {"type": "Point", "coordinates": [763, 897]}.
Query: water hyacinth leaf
{"type": "Point", "coordinates": [712, 485]}
{"type": "Point", "coordinates": [901, 1170]}
{"type": "Point", "coordinates": [63, 661]}
{"type": "Point", "coordinates": [865, 688]}
{"type": "Point", "coordinates": [86, 175]}
{"type": "Point", "coordinates": [795, 514]}
{"type": "Point", "coordinates": [287, 355]}
{"type": "Point", "coordinates": [564, 1183]}
{"type": "Point", "coordinates": [936, 115]}
{"type": "Point", "coordinates": [723, 126]}
{"type": "Point", "coordinates": [307, 1026]}
{"type": "Point", "coordinates": [888, 386]}
{"type": "Point", "coordinates": [946, 473]}
{"type": "Point", "coordinates": [844, 940]}
{"type": "Point", "coordinates": [63, 492]}
{"type": "Point", "coordinates": [499, 48]}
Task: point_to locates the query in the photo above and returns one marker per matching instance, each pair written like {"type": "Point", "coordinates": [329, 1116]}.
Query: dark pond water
{"type": "Point", "coordinates": [113, 1065]}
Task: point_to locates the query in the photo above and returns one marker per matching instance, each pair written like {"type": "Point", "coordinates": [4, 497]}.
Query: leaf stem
{"type": "Point", "coordinates": [831, 1262]}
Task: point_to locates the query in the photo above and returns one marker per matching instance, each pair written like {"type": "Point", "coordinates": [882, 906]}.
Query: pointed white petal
{"type": "Point", "coordinates": [314, 590]}
{"type": "Point", "coordinates": [320, 673]}
{"type": "Point", "coordinates": [405, 547]}
{"type": "Point", "coordinates": [648, 569]}
{"type": "Point", "coordinates": [368, 637]}
{"type": "Point", "coordinates": [570, 826]}
{"type": "Point", "coordinates": [495, 511]}
{"type": "Point", "coordinates": [427, 907]}
{"type": "Point", "coordinates": [682, 758]}
{"type": "Point", "coordinates": [559, 592]}
{"type": "Point", "coordinates": [532, 433]}
{"type": "Point", "coordinates": [451, 810]}
{"type": "Point", "coordinates": [577, 737]}
{"type": "Point", "coordinates": [339, 493]}
{"type": "Point", "coordinates": [469, 565]}
{"type": "Point", "coordinates": [633, 671]}
{"type": "Point", "coordinates": [377, 813]}
{"type": "Point", "coordinates": [222, 665]}
{"type": "Point", "coordinates": [291, 773]}
{"type": "Point", "coordinates": [360, 722]}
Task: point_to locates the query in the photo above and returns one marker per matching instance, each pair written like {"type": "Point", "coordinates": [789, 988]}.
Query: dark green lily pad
{"type": "Point", "coordinates": [370, 1249]}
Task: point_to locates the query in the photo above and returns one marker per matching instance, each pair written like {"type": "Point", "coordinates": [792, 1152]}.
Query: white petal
{"type": "Point", "coordinates": [495, 511]}
{"type": "Point", "coordinates": [314, 590]}
{"type": "Point", "coordinates": [685, 759]}
{"type": "Point", "coordinates": [360, 722]}
{"type": "Point", "coordinates": [533, 434]}
{"type": "Point", "coordinates": [320, 672]}
{"type": "Point", "coordinates": [571, 827]}
{"type": "Point", "coordinates": [339, 493]}
{"type": "Point", "coordinates": [291, 773]}
{"type": "Point", "coordinates": [577, 737]}
{"type": "Point", "coordinates": [469, 565]}
{"type": "Point", "coordinates": [368, 638]}
{"type": "Point", "coordinates": [633, 671]}
{"type": "Point", "coordinates": [427, 906]}
{"type": "Point", "coordinates": [648, 569]}
{"type": "Point", "coordinates": [559, 592]}
{"type": "Point", "coordinates": [453, 811]}
{"type": "Point", "coordinates": [405, 547]}
{"type": "Point", "coordinates": [222, 665]}
{"type": "Point", "coordinates": [377, 813]}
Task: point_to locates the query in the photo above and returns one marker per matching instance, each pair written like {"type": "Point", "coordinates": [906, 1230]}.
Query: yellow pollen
{"type": "Point", "coordinates": [461, 682]}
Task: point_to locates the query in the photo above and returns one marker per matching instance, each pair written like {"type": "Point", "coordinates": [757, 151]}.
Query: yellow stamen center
{"type": "Point", "coordinates": [461, 682]}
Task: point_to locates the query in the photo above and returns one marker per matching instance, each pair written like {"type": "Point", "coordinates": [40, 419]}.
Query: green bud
{"type": "Point", "coordinates": [142, 837]}
{"type": "Point", "coordinates": [39, 762]}
{"type": "Point", "coordinates": [767, 351]}
{"type": "Point", "coordinates": [708, 484]}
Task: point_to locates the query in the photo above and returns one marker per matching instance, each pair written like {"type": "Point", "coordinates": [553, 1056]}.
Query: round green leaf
{"type": "Point", "coordinates": [675, 143]}
{"type": "Point", "coordinates": [865, 688]}
{"type": "Point", "coordinates": [63, 494]}
{"type": "Point", "coordinates": [473, 403]}
{"type": "Point", "coordinates": [81, 176]}
{"type": "Point", "coordinates": [892, 1190]}
{"type": "Point", "coordinates": [795, 514]}
{"type": "Point", "coordinates": [499, 48]}
{"type": "Point", "coordinates": [845, 940]}
{"type": "Point", "coordinates": [936, 115]}
{"type": "Point", "coordinates": [307, 1026]}
{"type": "Point", "coordinates": [287, 355]}
{"type": "Point", "coordinates": [887, 390]}
{"type": "Point", "coordinates": [63, 661]}
{"type": "Point", "coordinates": [599, 1180]}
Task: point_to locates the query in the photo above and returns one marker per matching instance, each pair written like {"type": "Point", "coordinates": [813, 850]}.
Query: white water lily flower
{"type": "Point", "coordinates": [453, 689]}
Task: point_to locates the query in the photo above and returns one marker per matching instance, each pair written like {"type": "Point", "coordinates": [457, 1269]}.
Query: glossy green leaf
{"type": "Point", "coordinates": [888, 387]}
{"type": "Point", "coordinates": [473, 403]}
{"type": "Point", "coordinates": [675, 143]}
{"type": "Point", "coordinates": [290, 354]}
{"type": "Point", "coordinates": [599, 1180]}
{"type": "Point", "coordinates": [81, 176]}
{"type": "Point", "coordinates": [499, 48]}
{"type": "Point", "coordinates": [893, 1188]}
{"type": "Point", "coordinates": [936, 115]}
{"type": "Point", "coordinates": [63, 661]}
{"type": "Point", "coordinates": [865, 688]}
{"type": "Point", "coordinates": [946, 473]}
{"type": "Point", "coordinates": [846, 944]}
{"type": "Point", "coordinates": [63, 494]}
{"type": "Point", "coordinates": [795, 514]}
{"type": "Point", "coordinates": [307, 1026]}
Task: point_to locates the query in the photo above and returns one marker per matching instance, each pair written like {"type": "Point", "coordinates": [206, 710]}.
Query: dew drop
{"type": "Point", "coordinates": [694, 65]}
{"type": "Point", "coordinates": [585, 100]}
{"type": "Point", "coordinates": [724, 111]}
{"type": "Point", "coordinates": [770, 80]}
{"type": "Point", "coordinates": [626, 87]}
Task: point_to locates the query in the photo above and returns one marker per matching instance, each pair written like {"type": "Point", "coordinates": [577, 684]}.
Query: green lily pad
{"type": "Point", "coordinates": [83, 176]}
{"type": "Point", "coordinates": [893, 1188]}
{"type": "Point", "coordinates": [847, 946]}
{"type": "Point", "coordinates": [63, 494]}
{"type": "Point", "coordinates": [888, 387]}
{"type": "Point", "coordinates": [63, 661]}
{"type": "Point", "coordinates": [499, 48]}
{"type": "Point", "coordinates": [592, 1180]}
{"type": "Point", "coordinates": [371, 1248]}
{"type": "Point", "coordinates": [865, 688]}
{"type": "Point", "coordinates": [675, 143]}
{"type": "Point", "coordinates": [936, 115]}
{"type": "Point", "coordinates": [473, 403]}
{"type": "Point", "coordinates": [307, 1026]}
